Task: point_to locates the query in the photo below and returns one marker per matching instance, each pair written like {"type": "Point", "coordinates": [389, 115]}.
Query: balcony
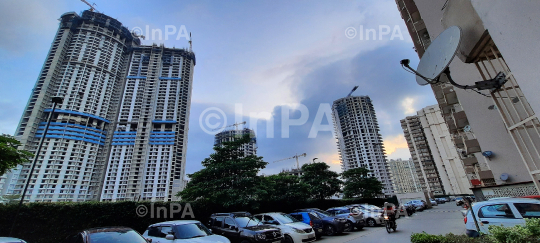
{"type": "Point", "coordinates": [469, 170]}
{"type": "Point", "coordinates": [472, 146]}
{"type": "Point", "coordinates": [470, 161]}
{"type": "Point", "coordinates": [460, 119]}
{"type": "Point", "coordinates": [486, 174]}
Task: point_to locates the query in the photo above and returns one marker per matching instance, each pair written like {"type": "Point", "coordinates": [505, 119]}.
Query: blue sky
{"type": "Point", "coordinates": [263, 55]}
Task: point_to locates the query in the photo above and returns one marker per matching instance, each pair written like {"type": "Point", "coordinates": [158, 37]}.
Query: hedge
{"type": "Point", "coordinates": [53, 222]}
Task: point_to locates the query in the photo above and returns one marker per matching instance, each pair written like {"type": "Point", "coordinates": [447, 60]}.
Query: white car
{"type": "Point", "coordinates": [507, 212]}
{"type": "Point", "coordinates": [11, 240]}
{"type": "Point", "coordinates": [182, 231]}
{"type": "Point", "coordinates": [293, 230]}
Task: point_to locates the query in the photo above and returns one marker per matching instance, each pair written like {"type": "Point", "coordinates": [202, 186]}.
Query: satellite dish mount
{"type": "Point", "coordinates": [437, 58]}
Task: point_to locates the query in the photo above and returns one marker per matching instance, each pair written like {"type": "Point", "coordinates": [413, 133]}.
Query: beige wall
{"type": "Point", "coordinates": [444, 152]}
{"type": "Point", "coordinates": [487, 124]}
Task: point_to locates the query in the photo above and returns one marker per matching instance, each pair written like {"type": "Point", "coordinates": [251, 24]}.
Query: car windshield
{"type": "Point", "coordinates": [247, 221]}
{"type": "Point", "coordinates": [373, 207]}
{"type": "Point", "coordinates": [118, 236]}
{"type": "Point", "coordinates": [188, 231]}
{"type": "Point", "coordinates": [284, 218]}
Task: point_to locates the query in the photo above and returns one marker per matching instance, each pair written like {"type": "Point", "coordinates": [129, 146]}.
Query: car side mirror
{"type": "Point", "coordinates": [232, 227]}
{"type": "Point", "coordinates": [210, 230]}
{"type": "Point", "coordinates": [169, 237]}
{"type": "Point", "coordinates": [148, 240]}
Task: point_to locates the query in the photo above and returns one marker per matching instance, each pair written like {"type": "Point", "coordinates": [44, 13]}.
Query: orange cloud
{"type": "Point", "coordinates": [392, 143]}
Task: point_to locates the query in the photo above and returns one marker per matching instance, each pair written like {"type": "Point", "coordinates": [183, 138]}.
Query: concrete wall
{"type": "Point", "coordinates": [487, 124]}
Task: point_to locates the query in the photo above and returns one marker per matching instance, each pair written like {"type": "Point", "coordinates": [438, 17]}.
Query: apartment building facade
{"type": "Point", "coordinates": [428, 175]}
{"type": "Point", "coordinates": [88, 66]}
{"type": "Point", "coordinates": [443, 151]}
{"type": "Point", "coordinates": [404, 176]}
{"type": "Point", "coordinates": [229, 135]}
{"type": "Point", "coordinates": [358, 139]}
{"type": "Point", "coordinates": [149, 142]}
{"type": "Point", "coordinates": [496, 132]}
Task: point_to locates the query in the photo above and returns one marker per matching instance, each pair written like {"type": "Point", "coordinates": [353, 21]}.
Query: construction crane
{"type": "Point", "coordinates": [294, 157]}
{"type": "Point", "coordinates": [350, 93]}
{"type": "Point", "coordinates": [233, 125]}
{"type": "Point", "coordinates": [90, 5]}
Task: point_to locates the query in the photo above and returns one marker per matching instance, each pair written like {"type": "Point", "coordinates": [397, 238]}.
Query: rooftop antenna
{"type": "Point", "coordinates": [92, 8]}
{"type": "Point", "coordinates": [350, 93]}
{"type": "Point", "coordinates": [190, 47]}
{"type": "Point", "coordinates": [438, 57]}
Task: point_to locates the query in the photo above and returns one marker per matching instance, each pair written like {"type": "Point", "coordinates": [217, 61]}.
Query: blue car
{"type": "Point", "coordinates": [312, 219]}
{"type": "Point", "coordinates": [321, 221]}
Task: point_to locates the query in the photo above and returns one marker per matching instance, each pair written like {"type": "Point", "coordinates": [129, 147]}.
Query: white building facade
{"type": "Point", "coordinates": [404, 176]}
{"type": "Point", "coordinates": [121, 131]}
{"type": "Point", "coordinates": [444, 152]}
{"type": "Point", "coordinates": [358, 139]}
{"type": "Point", "coordinates": [497, 36]}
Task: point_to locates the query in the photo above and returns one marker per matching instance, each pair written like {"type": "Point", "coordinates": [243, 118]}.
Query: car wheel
{"type": "Point", "coordinates": [371, 223]}
{"type": "Point", "coordinates": [329, 230]}
{"type": "Point", "coordinates": [288, 239]}
{"type": "Point", "coordinates": [359, 227]}
{"type": "Point", "coordinates": [350, 227]}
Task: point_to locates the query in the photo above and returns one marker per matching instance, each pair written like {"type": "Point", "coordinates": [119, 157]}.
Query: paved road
{"type": "Point", "coordinates": [442, 219]}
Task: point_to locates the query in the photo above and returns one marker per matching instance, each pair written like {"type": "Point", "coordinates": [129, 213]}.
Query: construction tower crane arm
{"type": "Point", "coordinates": [90, 5]}
{"type": "Point", "coordinates": [233, 125]}
{"type": "Point", "coordinates": [350, 93]}
{"type": "Point", "coordinates": [294, 157]}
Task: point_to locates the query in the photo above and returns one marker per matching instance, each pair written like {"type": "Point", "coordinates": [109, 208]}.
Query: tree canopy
{"type": "Point", "coordinates": [228, 177]}
{"type": "Point", "coordinates": [322, 182]}
{"type": "Point", "coordinates": [10, 156]}
{"type": "Point", "coordinates": [359, 184]}
{"type": "Point", "coordinates": [285, 187]}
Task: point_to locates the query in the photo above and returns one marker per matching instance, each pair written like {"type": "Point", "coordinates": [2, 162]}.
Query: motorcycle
{"type": "Point", "coordinates": [390, 223]}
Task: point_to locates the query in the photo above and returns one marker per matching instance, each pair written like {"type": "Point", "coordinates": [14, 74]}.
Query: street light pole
{"type": "Point", "coordinates": [55, 100]}
{"type": "Point", "coordinates": [314, 160]}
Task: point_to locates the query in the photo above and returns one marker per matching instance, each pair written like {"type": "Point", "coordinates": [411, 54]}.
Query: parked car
{"type": "Point", "coordinates": [312, 219]}
{"type": "Point", "coordinates": [182, 231]}
{"type": "Point", "coordinates": [243, 227]}
{"type": "Point", "coordinates": [373, 218]}
{"type": "Point", "coordinates": [332, 225]}
{"type": "Point", "coordinates": [459, 201]}
{"type": "Point", "coordinates": [440, 200]}
{"type": "Point", "coordinates": [355, 217]}
{"type": "Point", "coordinates": [11, 240]}
{"type": "Point", "coordinates": [294, 231]}
{"type": "Point", "coordinates": [367, 207]}
{"type": "Point", "coordinates": [419, 204]}
{"type": "Point", "coordinates": [433, 202]}
{"type": "Point", "coordinates": [507, 212]}
{"type": "Point", "coordinates": [118, 234]}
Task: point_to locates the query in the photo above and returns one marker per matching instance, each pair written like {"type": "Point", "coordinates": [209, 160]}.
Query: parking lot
{"type": "Point", "coordinates": [442, 219]}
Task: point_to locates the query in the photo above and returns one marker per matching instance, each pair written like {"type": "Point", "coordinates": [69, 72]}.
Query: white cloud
{"type": "Point", "coordinates": [408, 105]}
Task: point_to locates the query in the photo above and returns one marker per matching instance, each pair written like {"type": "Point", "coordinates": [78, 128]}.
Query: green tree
{"type": "Point", "coordinates": [322, 182]}
{"type": "Point", "coordinates": [285, 187]}
{"type": "Point", "coordinates": [228, 177]}
{"type": "Point", "coordinates": [10, 156]}
{"type": "Point", "coordinates": [359, 184]}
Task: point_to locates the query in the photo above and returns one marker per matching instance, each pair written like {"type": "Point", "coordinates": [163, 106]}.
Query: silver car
{"type": "Point", "coordinates": [354, 216]}
{"type": "Point", "coordinates": [182, 231]}
{"type": "Point", "coordinates": [11, 240]}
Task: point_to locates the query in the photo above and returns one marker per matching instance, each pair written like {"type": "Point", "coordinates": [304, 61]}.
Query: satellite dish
{"type": "Point", "coordinates": [439, 54]}
{"type": "Point", "coordinates": [504, 177]}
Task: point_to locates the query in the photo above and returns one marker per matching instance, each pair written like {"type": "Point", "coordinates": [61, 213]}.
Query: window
{"type": "Point", "coordinates": [528, 210]}
{"type": "Point", "coordinates": [298, 216]}
{"type": "Point", "coordinates": [228, 223]}
{"type": "Point", "coordinates": [218, 222]}
{"type": "Point", "coordinates": [496, 211]}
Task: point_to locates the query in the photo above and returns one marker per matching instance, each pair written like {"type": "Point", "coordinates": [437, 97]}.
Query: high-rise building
{"type": "Point", "coordinates": [497, 133]}
{"type": "Point", "coordinates": [149, 144]}
{"type": "Point", "coordinates": [443, 151]}
{"type": "Point", "coordinates": [122, 126]}
{"type": "Point", "coordinates": [430, 179]}
{"type": "Point", "coordinates": [358, 139]}
{"type": "Point", "coordinates": [229, 135]}
{"type": "Point", "coordinates": [404, 176]}
{"type": "Point", "coordinates": [86, 66]}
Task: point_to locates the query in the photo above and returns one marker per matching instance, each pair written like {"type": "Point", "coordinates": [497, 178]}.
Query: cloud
{"type": "Point", "coordinates": [392, 143]}
{"type": "Point", "coordinates": [408, 105]}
